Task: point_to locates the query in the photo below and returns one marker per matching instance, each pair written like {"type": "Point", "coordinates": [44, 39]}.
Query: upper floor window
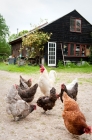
{"type": "Point", "coordinates": [75, 25]}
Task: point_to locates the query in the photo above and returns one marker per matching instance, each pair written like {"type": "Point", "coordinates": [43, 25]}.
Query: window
{"type": "Point", "coordinates": [77, 50]}
{"type": "Point", "coordinates": [51, 53]}
{"type": "Point", "coordinates": [75, 25]}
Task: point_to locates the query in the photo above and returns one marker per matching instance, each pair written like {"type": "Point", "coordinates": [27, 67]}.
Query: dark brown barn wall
{"type": "Point", "coordinates": [60, 30]}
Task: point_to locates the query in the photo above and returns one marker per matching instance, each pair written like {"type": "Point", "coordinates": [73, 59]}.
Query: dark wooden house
{"type": "Point", "coordinates": [70, 41]}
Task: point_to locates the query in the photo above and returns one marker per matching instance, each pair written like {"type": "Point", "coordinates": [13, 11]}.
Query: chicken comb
{"type": "Point", "coordinates": [42, 68]}
{"type": "Point", "coordinates": [16, 86]}
{"type": "Point", "coordinates": [89, 131]}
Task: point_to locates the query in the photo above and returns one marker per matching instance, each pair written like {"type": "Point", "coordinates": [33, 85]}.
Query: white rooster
{"type": "Point", "coordinates": [46, 80]}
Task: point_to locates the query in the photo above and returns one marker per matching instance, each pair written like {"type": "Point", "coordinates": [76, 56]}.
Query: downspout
{"type": "Point", "coordinates": [62, 54]}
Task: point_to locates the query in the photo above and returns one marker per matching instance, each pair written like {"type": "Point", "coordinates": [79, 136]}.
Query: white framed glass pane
{"type": "Point", "coordinates": [51, 54]}
{"type": "Point", "coordinates": [72, 24]}
{"type": "Point", "coordinates": [78, 25]}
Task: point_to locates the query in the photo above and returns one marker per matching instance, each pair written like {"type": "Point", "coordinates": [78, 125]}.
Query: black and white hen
{"type": "Point", "coordinates": [71, 92]}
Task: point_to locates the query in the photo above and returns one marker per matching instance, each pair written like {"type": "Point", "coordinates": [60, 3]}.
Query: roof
{"type": "Point", "coordinates": [20, 37]}
{"type": "Point", "coordinates": [42, 26]}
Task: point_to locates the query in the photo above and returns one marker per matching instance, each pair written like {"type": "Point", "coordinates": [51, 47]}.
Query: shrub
{"type": "Point", "coordinates": [70, 64]}
{"type": "Point", "coordinates": [60, 64]}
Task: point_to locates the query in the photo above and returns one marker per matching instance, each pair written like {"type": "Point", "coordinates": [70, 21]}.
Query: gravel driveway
{"type": "Point", "coordinates": [38, 126]}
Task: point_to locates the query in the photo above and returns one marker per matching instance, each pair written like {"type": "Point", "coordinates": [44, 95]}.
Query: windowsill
{"type": "Point", "coordinates": [73, 56]}
{"type": "Point", "coordinates": [75, 31]}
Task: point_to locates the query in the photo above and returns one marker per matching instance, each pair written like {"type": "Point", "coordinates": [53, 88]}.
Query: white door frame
{"type": "Point", "coordinates": [51, 53]}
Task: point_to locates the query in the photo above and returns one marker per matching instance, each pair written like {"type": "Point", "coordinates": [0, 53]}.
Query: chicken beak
{"type": "Point", "coordinates": [35, 107]}
{"type": "Point", "coordinates": [57, 96]}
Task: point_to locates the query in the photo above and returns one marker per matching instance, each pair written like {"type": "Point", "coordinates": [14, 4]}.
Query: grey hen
{"type": "Point", "coordinates": [16, 106]}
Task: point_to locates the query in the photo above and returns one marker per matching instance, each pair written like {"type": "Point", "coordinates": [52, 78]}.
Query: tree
{"type": "Point", "coordinates": [15, 36]}
{"type": "Point", "coordinates": [35, 42]}
{"type": "Point", "coordinates": [4, 32]}
{"type": "Point", "coordinates": [12, 37]}
{"type": "Point", "coordinates": [22, 32]}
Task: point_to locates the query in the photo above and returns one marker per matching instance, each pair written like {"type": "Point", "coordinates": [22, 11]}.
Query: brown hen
{"type": "Point", "coordinates": [27, 94]}
{"type": "Point", "coordinates": [74, 119]}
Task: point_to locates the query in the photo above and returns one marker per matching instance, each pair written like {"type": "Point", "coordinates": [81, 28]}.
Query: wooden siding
{"type": "Point", "coordinates": [61, 33]}
{"type": "Point", "coordinates": [60, 30]}
{"type": "Point", "coordinates": [15, 49]}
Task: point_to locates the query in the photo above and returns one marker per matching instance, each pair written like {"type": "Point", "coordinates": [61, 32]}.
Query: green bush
{"type": "Point", "coordinates": [70, 64]}
{"type": "Point", "coordinates": [60, 64]}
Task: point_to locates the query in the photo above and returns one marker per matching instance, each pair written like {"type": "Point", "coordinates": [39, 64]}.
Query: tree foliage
{"type": "Point", "coordinates": [4, 32]}
{"type": "Point", "coordinates": [5, 47]}
{"type": "Point", "coordinates": [35, 42]}
{"type": "Point", "coordinates": [15, 36]}
{"type": "Point", "coordinates": [12, 37]}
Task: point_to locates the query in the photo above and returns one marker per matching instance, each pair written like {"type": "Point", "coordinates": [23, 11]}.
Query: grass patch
{"type": "Point", "coordinates": [35, 69]}
{"type": "Point", "coordinates": [21, 69]}
{"type": "Point", "coordinates": [77, 69]}
{"type": "Point", "coordinates": [88, 80]}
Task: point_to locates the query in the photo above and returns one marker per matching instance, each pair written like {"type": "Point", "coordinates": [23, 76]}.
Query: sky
{"type": "Point", "coordinates": [25, 14]}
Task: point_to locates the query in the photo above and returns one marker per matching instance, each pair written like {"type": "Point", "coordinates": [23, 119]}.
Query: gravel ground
{"type": "Point", "coordinates": [39, 126]}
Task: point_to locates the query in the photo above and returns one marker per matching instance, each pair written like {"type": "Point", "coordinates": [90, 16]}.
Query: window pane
{"type": "Point", "coordinates": [75, 25]}
{"type": "Point", "coordinates": [88, 50]}
{"type": "Point", "coordinates": [65, 49]}
{"type": "Point", "coordinates": [72, 24]}
{"type": "Point", "coordinates": [77, 50]}
{"type": "Point", "coordinates": [78, 25]}
{"type": "Point", "coordinates": [71, 49]}
{"type": "Point", "coordinates": [83, 50]}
